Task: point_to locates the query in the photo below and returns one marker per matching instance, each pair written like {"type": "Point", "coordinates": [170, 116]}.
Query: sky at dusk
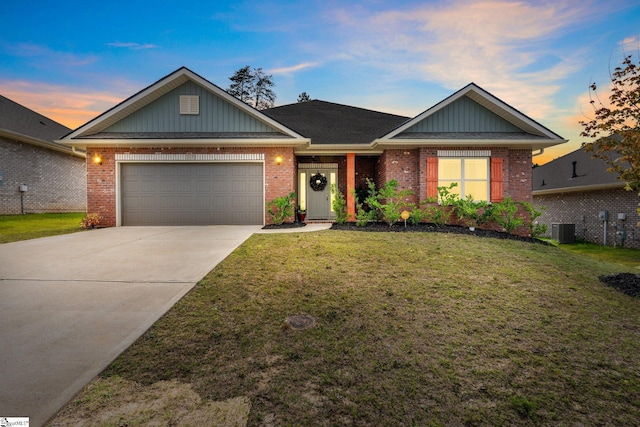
{"type": "Point", "coordinates": [73, 60]}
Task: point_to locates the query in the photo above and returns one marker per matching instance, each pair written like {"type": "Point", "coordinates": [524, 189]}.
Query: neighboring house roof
{"type": "Point", "coordinates": [475, 117]}
{"type": "Point", "coordinates": [118, 126]}
{"type": "Point", "coordinates": [22, 124]}
{"type": "Point", "coordinates": [327, 123]}
{"type": "Point", "coordinates": [575, 171]}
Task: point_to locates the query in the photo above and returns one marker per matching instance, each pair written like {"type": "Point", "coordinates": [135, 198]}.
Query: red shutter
{"type": "Point", "coordinates": [496, 179]}
{"type": "Point", "coordinates": [432, 177]}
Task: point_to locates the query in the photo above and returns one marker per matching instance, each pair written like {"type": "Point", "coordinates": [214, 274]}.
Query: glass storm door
{"type": "Point", "coordinates": [318, 193]}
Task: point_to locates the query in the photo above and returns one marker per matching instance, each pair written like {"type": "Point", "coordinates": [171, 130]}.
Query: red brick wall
{"type": "Point", "coordinates": [401, 165]}
{"type": "Point", "coordinates": [280, 179]}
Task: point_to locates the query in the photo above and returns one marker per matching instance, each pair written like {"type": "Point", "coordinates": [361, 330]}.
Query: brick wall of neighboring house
{"type": "Point", "coordinates": [55, 180]}
{"type": "Point", "coordinates": [581, 208]}
{"type": "Point", "coordinates": [101, 179]}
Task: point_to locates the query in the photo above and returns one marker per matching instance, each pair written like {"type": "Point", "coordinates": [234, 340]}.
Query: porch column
{"type": "Point", "coordinates": [351, 185]}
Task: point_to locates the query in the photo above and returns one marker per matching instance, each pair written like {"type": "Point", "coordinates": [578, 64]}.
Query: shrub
{"type": "Point", "coordinates": [281, 208]}
{"type": "Point", "coordinates": [438, 210]}
{"type": "Point", "coordinates": [505, 213]}
{"type": "Point", "coordinates": [467, 211]}
{"type": "Point", "coordinates": [91, 220]}
{"type": "Point", "coordinates": [339, 205]}
{"type": "Point", "coordinates": [535, 229]}
{"type": "Point", "coordinates": [388, 201]}
{"type": "Point", "coordinates": [418, 214]}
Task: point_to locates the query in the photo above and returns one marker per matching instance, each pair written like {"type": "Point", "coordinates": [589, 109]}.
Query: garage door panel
{"type": "Point", "coordinates": [191, 194]}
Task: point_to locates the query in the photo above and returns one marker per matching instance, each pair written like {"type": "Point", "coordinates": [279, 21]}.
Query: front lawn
{"type": "Point", "coordinates": [424, 329]}
{"type": "Point", "coordinates": [625, 256]}
{"type": "Point", "coordinates": [31, 226]}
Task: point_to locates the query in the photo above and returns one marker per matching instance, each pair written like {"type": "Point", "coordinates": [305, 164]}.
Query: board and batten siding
{"type": "Point", "coordinates": [216, 115]}
{"type": "Point", "coordinates": [463, 115]}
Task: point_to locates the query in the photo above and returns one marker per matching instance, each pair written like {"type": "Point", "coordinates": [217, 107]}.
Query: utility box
{"type": "Point", "coordinates": [563, 233]}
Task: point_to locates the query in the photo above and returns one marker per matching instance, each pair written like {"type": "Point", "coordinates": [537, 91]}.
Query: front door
{"type": "Point", "coordinates": [318, 192]}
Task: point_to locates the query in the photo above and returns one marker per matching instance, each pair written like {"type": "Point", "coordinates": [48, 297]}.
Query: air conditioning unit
{"type": "Point", "coordinates": [563, 233]}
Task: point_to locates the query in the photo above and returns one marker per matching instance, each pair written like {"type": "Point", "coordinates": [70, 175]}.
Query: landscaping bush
{"type": "Point", "coordinates": [281, 208]}
{"type": "Point", "coordinates": [388, 201]}
{"type": "Point", "coordinates": [339, 205]}
{"type": "Point", "coordinates": [505, 214]}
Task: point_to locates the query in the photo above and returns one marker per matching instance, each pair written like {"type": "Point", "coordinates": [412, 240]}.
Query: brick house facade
{"type": "Point", "coordinates": [575, 188]}
{"type": "Point", "coordinates": [54, 175]}
{"type": "Point", "coordinates": [302, 148]}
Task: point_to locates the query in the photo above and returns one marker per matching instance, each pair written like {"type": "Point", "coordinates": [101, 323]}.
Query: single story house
{"type": "Point", "coordinates": [183, 151]}
{"type": "Point", "coordinates": [38, 174]}
{"type": "Point", "coordinates": [577, 189]}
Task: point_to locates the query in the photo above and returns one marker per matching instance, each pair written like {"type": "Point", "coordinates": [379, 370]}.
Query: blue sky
{"type": "Point", "coordinates": [73, 60]}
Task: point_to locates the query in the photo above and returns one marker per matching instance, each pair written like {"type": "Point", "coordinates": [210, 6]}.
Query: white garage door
{"type": "Point", "coordinates": [191, 193]}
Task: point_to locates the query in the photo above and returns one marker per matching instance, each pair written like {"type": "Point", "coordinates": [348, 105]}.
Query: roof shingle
{"type": "Point", "coordinates": [329, 123]}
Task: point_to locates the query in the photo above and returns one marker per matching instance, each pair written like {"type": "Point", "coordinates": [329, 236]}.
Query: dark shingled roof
{"type": "Point", "coordinates": [559, 173]}
{"type": "Point", "coordinates": [328, 123]}
{"type": "Point", "coordinates": [19, 119]}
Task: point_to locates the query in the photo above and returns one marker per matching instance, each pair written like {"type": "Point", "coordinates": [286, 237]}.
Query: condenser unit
{"type": "Point", "coordinates": [563, 233]}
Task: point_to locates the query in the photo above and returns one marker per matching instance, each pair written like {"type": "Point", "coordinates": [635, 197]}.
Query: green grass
{"type": "Point", "coordinates": [31, 226]}
{"type": "Point", "coordinates": [625, 256]}
{"type": "Point", "coordinates": [424, 329]}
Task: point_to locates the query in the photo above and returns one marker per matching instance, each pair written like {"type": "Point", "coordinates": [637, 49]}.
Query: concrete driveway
{"type": "Point", "coordinates": [69, 305]}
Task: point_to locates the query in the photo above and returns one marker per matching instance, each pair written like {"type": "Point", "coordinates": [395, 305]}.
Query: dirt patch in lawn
{"type": "Point", "coordinates": [115, 401]}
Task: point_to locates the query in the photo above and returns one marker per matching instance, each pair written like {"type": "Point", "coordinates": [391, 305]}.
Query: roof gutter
{"type": "Point", "coordinates": [51, 145]}
{"type": "Point", "coordinates": [594, 187]}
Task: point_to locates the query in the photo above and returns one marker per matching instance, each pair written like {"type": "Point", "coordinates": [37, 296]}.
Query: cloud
{"type": "Point", "coordinates": [505, 46]}
{"type": "Point", "coordinates": [132, 45]}
{"type": "Point", "coordinates": [69, 106]}
{"type": "Point", "coordinates": [630, 44]}
{"type": "Point", "coordinates": [47, 57]}
{"type": "Point", "coordinates": [294, 68]}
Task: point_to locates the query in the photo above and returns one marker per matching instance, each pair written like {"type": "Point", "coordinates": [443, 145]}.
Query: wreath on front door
{"type": "Point", "coordinates": [318, 182]}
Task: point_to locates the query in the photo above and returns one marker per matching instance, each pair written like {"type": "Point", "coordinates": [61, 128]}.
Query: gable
{"type": "Point", "coordinates": [463, 115]}
{"type": "Point", "coordinates": [152, 117]}
{"type": "Point", "coordinates": [471, 117]}
{"type": "Point", "coordinates": [214, 115]}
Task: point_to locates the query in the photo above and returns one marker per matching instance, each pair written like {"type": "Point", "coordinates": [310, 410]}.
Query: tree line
{"type": "Point", "coordinates": [254, 87]}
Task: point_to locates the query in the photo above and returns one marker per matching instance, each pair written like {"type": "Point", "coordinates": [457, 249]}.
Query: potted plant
{"type": "Point", "coordinates": [302, 214]}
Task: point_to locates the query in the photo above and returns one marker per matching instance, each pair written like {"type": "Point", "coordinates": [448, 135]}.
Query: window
{"type": "Point", "coordinates": [471, 174]}
{"type": "Point", "coordinates": [189, 104]}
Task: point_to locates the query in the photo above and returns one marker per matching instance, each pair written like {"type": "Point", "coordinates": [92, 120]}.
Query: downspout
{"type": "Point", "coordinates": [537, 154]}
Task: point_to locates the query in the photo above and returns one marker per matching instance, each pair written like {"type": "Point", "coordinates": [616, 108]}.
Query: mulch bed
{"type": "Point", "coordinates": [284, 225]}
{"type": "Point", "coordinates": [426, 227]}
{"type": "Point", "coordinates": [627, 283]}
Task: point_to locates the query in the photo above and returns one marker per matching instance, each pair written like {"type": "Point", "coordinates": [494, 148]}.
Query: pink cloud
{"type": "Point", "coordinates": [68, 106]}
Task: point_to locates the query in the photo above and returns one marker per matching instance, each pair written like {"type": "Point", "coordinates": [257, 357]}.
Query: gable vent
{"type": "Point", "coordinates": [189, 104]}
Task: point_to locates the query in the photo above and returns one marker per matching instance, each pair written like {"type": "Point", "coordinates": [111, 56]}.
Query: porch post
{"type": "Point", "coordinates": [351, 185]}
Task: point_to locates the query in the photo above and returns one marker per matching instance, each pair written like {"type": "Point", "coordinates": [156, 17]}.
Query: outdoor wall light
{"type": "Point", "coordinates": [278, 160]}
{"type": "Point", "coordinates": [97, 159]}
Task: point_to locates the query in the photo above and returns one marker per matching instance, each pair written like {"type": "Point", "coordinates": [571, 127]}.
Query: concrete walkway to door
{"type": "Point", "coordinates": [69, 305]}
